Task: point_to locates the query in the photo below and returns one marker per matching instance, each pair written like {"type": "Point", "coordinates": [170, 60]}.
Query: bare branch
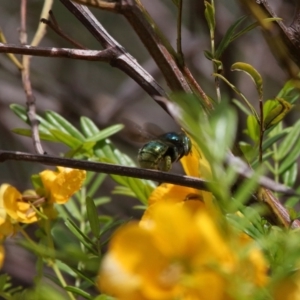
{"type": "Point", "coordinates": [283, 41]}
{"type": "Point", "coordinates": [25, 72]}
{"type": "Point", "coordinates": [90, 55]}
{"type": "Point", "coordinates": [106, 168]}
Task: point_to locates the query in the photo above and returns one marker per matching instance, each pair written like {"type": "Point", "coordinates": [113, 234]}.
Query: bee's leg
{"type": "Point", "coordinates": [166, 164]}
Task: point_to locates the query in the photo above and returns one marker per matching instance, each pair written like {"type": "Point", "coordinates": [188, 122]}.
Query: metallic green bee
{"type": "Point", "coordinates": [161, 152]}
{"type": "Point", "coordinates": [160, 149]}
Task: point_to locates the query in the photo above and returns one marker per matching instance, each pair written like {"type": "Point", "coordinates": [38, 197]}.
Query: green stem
{"type": "Point", "coordinates": [52, 262]}
{"type": "Point", "coordinates": [262, 129]}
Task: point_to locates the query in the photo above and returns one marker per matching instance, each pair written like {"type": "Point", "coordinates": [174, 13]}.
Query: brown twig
{"type": "Point", "coordinates": [106, 168]}
{"type": "Point", "coordinates": [283, 41]}
{"type": "Point", "coordinates": [52, 23]}
{"type": "Point", "coordinates": [25, 73]}
{"type": "Point", "coordinates": [177, 77]}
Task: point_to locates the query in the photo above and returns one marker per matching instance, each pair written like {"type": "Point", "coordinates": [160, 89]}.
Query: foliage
{"type": "Point", "coordinates": [221, 243]}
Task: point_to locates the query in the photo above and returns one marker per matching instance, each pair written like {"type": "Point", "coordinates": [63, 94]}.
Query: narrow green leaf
{"type": "Point", "coordinates": [277, 113]}
{"type": "Point", "coordinates": [290, 158]}
{"type": "Point", "coordinates": [252, 26]}
{"type": "Point", "coordinates": [88, 127]}
{"type": "Point", "coordinates": [65, 138]}
{"type": "Point", "coordinates": [105, 133]}
{"type": "Point", "coordinates": [210, 16]}
{"type": "Point", "coordinates": [78, 291]}
{"type": "Point", "coordinates": [92, 216]}
{"type": "Point", "coordinates": [272, 140]}
{"type": "Point", "coordinates": [60, 122]}
{"type": "Point", "coordinates": [101, 200]}
{"type": "Point", "coordinates": [240, 94]}
{"type": "Point", "coordinates": [85, 240]}
{"type": "Point", "coordinates": [21, 112]}
{"type": "Point", "coordinates": [253, 128]}
{"type": "Point", "coordinates": [99, 178]}
{"type": "Point", "coordinates": [73, 209]}
{"type": "Point", "coordinates": [228, 38]}
{"type": "Point", "coordinates": [43, 136]}
{"type": "Point", "coordinates": [241, 106]}
{"type": "Point", "coordinates": [288, 143]}
{"type": "Point", "coordinates": [208, 55]}
{"type": "Point", "coordinates": [290, 175]}
{"type": "Point", "coordinates": [252, 72]}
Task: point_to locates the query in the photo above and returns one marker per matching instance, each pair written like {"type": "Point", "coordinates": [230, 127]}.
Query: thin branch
{"type": "Point", "coordinates": [90, 55]}
{"type": "Point", "coordinates": [106, 168]}
{"type": "Point", "coordinates": [25, 73]}
{"type": "Point", "coordinates": [122, 60]}
{"type": "Point", "coordinates": [284, 41]}
{"type": "Point", "coordinates": [177, 77]}
{"type": "Point", "coordinates": [52, 23]}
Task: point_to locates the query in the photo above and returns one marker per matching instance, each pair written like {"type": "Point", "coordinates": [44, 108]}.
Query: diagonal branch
{"type": "Point", "coordinates": [178, 77]}
{"type": "Point", "coordinates": [284, 41]}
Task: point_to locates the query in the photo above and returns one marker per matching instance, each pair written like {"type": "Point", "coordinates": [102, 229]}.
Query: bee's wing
{"type": "Point", "coordinates": [153, 129]}
{"type": "Point", "coordinates": [141, 134]}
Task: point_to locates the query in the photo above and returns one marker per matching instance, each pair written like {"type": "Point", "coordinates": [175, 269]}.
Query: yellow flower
{"type": "Point", "coordinates": [194, 165]}
{"type": "Point", "coordinates": [16, 206]}
{"type": "Point", "coordinates": [288, 288]}
{"type": "Point", "coordinates": [2, 254]}
{"type": "Point", "coordinates": [62, 184]}
{"type": "Point", "coordinates": [6, 227]}
{"type": "Point", "coordinates": [180, 254]}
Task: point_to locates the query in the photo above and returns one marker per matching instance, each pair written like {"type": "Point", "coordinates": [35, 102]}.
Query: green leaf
{"type": "Point", "coordinates": [92, 216]}
{"type": "Point", "coordinates": [43, 136]}
{"type": "Point", "coordinates": [253, 128]}
{"type": "Point", "coordinates": [85, 240]}
{"type": "Point", "coordinates": [208, 55]}
{"type": "Point", "coordinates": [65, 138]}
{"type": "Point", "coordinates": [99, 178]}
{"type": "Point", "coordinates": [21, 112]}
{"type": "Point", "coordinates": [105, 133]}
{"type": "Point", "coordinates": [241, 106]}
{"type": "Point", "coordinates": [88, 127]}
{"type": "Point", "coordinates": [210, 16]}
{"type": "Point", "coordinates": [226, 40]}
{"type": "Point", "coordinates": [63, 125]}
{"type": "Point", "coordinates": [270, 141]}
{"type": "Point", "coordinates": [288, 143]}
{"type": "Point", "coordinates": [277, 113]}
{"type": "Point", "coordinates": [252, 72]}
{"type": "Point", "coordinates": [223, 125]}
{"type": "Point", "coordinates": [78, 291]}
{"type": "Point", "coordinates": [290, 158]}
{"type": "Point", "coordinates": [240, 94]}
{"type": "Point", "coordinates": [290, 175]}
{"type": "Point", "coordinates": [252, 26]}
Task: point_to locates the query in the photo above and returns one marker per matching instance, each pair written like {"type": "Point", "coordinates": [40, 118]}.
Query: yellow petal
{"type": "Point", "coordinates": [195, 164]}
{"type": "Point", "coordinates": [133, 266]}
{"type": "Point", "coordinates": [63, 184]}
{"type": "Point", "coordinates": [16, 208]}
